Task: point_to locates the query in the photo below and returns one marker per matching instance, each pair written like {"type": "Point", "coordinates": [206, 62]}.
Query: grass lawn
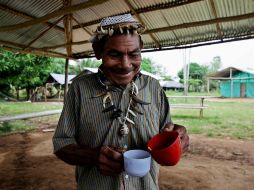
{"type": "Point", "coordinates": [14, 108]}
{"type": "Point", "coordinates": [226, 119]}
{"type": "Point", "coordinates": [221, 119]}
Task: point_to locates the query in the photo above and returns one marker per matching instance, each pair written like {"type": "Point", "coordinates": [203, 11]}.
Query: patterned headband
{"type": "Point", "coordinates": [120, 23]}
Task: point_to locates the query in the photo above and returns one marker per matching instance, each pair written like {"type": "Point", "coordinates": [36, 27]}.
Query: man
{"type": "Point", "coordinates": [111, 111]}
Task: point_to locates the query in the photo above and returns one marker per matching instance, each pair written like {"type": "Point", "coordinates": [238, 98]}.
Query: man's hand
{"type": "Point", "coordinates": [110, 161]}
{"type": "Point", "coordinates": [182, 134]}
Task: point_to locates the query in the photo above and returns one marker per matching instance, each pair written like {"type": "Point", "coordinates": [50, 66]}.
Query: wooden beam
{"type": "Point", "coordinates": [3, 42]}
{"type": "Point", "coordinates": [29, 115]}
{"type": "Point", "coordinates": [220, 34]}
{"type": "Point", "coordinates": [68, 38]}
{"type": "Point", "coordinates": [26, 16]}
{"type": "Point", "coordinates": [228, 78]}
{"type": "Point", "coordinates": [142, 22]}
{"type": "Point", "coordinates": [238, 38]}
{"type": "Point", "coordinates": [63, 45]}
{"type": "Point", "coordinates": [54, 14]}
{"type": "Point", "coordinates": [66, 77]}
{"type": "Point", "coordinates": [156, 7]}
{"type": "Point", "coordinates": [43, 33]}
{"type": "Point", "coordinates": [85, 29]}
{"type": "Point", "coordinates": [202, 23]}
{"type": "Point", "coordinates": [36, 52]}
{"type": "Point", "coordinates": [68, 33]}
{"type": "Point", "coordinates": [168, 5]}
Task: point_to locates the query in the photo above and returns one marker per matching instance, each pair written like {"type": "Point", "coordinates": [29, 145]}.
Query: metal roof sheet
{"type": "Point", "coordinates": [37, 26]}
{"type": "Point", "coordinates": [226, 72]}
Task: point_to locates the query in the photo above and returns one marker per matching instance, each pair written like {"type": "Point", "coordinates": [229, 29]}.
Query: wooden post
{"type": "Point", "coordinates": [201, 105]}
{"type": "Point", "coordinates": [208, 85]}
{"type": "Point", "coordinates": [59, 95]}
{"type": "Point", "coordinates": [231, 84]}
{"type": "Point", "coordinates": [66, 76]}
{"type": "Point", "coordinates": [68, 37]}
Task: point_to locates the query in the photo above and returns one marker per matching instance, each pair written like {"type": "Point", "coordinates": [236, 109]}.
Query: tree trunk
{"type": "Point", "coordinates": [27, 93]}
{"type": "Point", "coordinates": [17, 90]}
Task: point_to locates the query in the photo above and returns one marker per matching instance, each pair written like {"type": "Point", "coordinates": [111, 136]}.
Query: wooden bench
{"type": "Point", "coordinates": [29, 115]}
{"type": "Point", "coordinates": [199, 106]}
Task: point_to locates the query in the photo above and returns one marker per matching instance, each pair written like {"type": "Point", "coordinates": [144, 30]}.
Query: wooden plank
{"type": "Point", "coordinates": [187, 106]}
{"type": "Point", "coordinates": [198, 97]}
{"type": "Point", "coordinates": [29, 115]}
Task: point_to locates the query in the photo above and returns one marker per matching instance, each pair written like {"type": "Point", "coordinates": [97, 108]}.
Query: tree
{"type": "Point", "coordinates": [197, 76]}
{"type": "Point", "coordinates": [215, 64]}
{"type": "Point", "coordinates": [58, 65]}
{"type": "Point", "coordinates": [23, 71]}
{"type": "Point", "coordinates": [147, 65]}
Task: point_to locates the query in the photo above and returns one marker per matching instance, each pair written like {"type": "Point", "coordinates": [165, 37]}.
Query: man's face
{"type": "Point", "coordinates": [121, 58]}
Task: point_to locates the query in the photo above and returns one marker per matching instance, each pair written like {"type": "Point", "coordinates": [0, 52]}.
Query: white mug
{"type": "Point", "coordinates": [137, 162]}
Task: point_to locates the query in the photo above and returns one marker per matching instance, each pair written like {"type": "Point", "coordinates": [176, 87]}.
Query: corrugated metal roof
{"type": "Point", "coordinates": [60, 78]}
{"type": "Point", "coordinates": [226, 72]}
{"type": "Point", "coordinates": [37, 26]}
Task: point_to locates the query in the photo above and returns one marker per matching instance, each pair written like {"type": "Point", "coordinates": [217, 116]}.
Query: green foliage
{"type": "Point", "coordinates": [15, 126]}
{"type": "Point", "coordinates": [215, 64]}
{"type": "Point", "coordinates": [13, 108]}
{"type": "Point", "coordinates": [77, 68]}
{"type": "Point", "coordinates": [57, 66]}
{"type": "Point", "coordinates": [197, 76]}
{"type": "Point", "coordinates": [23, 70]}
{"type": "Point", "coordinates": [221, 119]}
{"type": "Point", "coordinates": [92, 63]}
{"type": "Point", "coordinates": [147, 65]}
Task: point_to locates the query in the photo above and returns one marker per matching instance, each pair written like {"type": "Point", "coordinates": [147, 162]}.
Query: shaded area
{"type": "Point", "coordinates": [27, 162]}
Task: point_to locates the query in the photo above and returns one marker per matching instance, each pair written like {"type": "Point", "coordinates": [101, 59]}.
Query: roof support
{"type": "Point", "coordinates": [142, 22]}
{"type": "Point", "coordinates": [26, 16]}
{"type": "Point", "coordinates": [161, 6]}
{"type": "Point", "coordinates": [215, 15]}
{"type": "Point", "coordinates": [36, 52]}
{"type": "Point", "coordinates": [49, 16]}
{"type": "Point", "coordinates": [63, 45]}
{"type": "Point", "coordinates": [88, 31]}
{"type": "Point", "coordinates": [231, 83]}
{"type": "Point", "coordinates": [202, 23]}
{"type": "Point", "coordinates": [44, 32]}
{"type": "Point", "coordinates": [68, 37]}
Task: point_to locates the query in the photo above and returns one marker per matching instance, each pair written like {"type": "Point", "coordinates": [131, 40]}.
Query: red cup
{"type": "Point", "coordinates": [165, 148]}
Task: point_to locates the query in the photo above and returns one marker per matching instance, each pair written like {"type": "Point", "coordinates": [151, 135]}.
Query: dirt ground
{"type": "Point", "coordinates": [27, 163]}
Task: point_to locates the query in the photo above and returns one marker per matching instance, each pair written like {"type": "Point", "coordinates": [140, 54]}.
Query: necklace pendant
{"type": "Point", "coordinates": [124, 130]}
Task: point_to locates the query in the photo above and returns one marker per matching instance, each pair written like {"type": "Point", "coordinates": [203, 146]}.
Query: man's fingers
{"type": "Point", "coordinates": [111, 153]}
{"type": "Point", "coordinates": [110, 162]}
{"type": "Point", "coordinates": [185, 143]}
{"type": "Point", "coordinates": [180, 129]}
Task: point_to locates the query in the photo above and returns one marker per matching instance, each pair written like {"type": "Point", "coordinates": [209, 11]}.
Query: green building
{"type": "Point", "coordinates": [234, 82]}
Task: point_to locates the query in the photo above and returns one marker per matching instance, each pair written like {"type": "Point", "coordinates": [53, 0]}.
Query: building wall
{"type": "Point", "coordinates": [225, 86]}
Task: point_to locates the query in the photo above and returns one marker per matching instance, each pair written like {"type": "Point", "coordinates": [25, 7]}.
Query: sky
{"type": "Point", "coordinates": [239, 54]}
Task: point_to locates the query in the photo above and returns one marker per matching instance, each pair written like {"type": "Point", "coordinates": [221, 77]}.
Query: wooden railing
{"type": "Point", "coordinates": [29, 115]}
{"type": "Point", "coordinates": [201, 106]}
